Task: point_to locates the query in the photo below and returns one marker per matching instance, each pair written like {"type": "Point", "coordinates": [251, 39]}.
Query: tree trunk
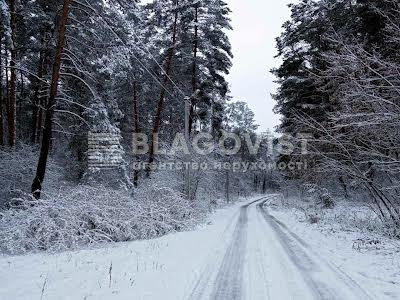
{"type": "Point", "coordinates": [13, 80]}
{"type": "Point", "coordinates": [264, 187]}
{"type": "Point", "coordinates": [1, 89]}
{"type": "Point", "coordinates": [7, 98]}
{"type": "Point", "coordinates": [194, 69]}
{"type": "Point", "coordinates": [136, 128]}
{"type": "Point", "coordinates": [43, 103]}
{"type": "Point", "coordinates": [227, 186]}
{"type": "Point", "coordinates": [160, 106]}
{"type": "Point", "coordinates": [50, 107]}
{"type": "Point", "coordinates": [344, 186]}
{"type": "Point", "coordinates": [36, 93]}
{"type": "Point", "coordinates": [43, 92]}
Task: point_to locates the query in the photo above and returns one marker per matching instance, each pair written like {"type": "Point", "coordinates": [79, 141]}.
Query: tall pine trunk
{"type": "Point", "coordinates": [160, 106]}
{"type": "Point", "coordinates": [1, 89]}
{"type": "Point", "coordinates": [136, 128]}
{"type": "Point", "coordinates": [194, 68]}
{"type": "Point", "coordinates": [42, 105]}
{"type": "Point", "coordinates": [13, 80]}
{"type": "Point", "coordinates": [50, 107]}
{"type": "Point", "coordinates": [227, 186]}
{"type": "Point", "coordinates": [36, 93]}
{"type": "Point", "coordinates": [7, 98]}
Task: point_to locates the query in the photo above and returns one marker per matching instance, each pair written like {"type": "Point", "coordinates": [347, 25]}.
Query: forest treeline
{"type": "Point", "coordinates": [339, 83]}
{"type": "Point", "coordinates": [70, 68]}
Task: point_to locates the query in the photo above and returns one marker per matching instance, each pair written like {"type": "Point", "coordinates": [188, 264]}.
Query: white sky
{"type": "Point", "coordinates": [256, 24]}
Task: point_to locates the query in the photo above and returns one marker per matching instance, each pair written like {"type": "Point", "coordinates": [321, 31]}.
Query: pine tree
{"type": "Point", "coordinates": [1, 83]}
{"type": "Point", "coordinates": [302, 46]}
{"type": "Point", "coordinates": [12, 101]}
{"type": "Point", "coordinates": [212, 60]}
{"type": "Point", "coordinates": [52, 101]}
{"type": "Point", "coordinates": [167, 69]}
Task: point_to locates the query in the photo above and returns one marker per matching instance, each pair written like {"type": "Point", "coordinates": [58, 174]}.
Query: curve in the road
{"type": "Point", "coordinates": [313, 276]}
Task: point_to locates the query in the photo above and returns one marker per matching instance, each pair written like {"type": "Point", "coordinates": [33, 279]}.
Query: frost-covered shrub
{"type": "Point", "coordinates": [87, 215]}
{"type": "Point", "coordinates": [313, 218]}
{"type": "Point", "coordinates": [321, 196]}
{"type": "Point", "coordinates": [17, 169]}
{"type": "Point", "coordinates": [326, 199]}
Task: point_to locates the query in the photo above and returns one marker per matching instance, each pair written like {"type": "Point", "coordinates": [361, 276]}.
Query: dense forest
{"type": "Point", "coordinates": [132, 165]}
{"type": "Point", "coordinates": [71, 69]}
{"type": "Point", "coordinates": [339, 84]}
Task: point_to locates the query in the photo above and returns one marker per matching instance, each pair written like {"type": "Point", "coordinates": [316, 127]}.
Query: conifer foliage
{"type": "Point", "coordinates": [70, 68]}
{"type": "Point", "coordinates": [339, 83]}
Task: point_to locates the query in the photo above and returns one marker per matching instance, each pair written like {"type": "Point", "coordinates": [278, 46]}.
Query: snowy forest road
{"type": "Point", "coordinates": [263, 259]}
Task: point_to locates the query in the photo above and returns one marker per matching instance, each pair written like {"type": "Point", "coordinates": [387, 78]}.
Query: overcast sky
{"type": "Point", "coordinates": [256, 24]}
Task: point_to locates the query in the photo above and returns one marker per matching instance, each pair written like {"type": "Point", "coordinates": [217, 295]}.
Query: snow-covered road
{"type": "Point", "coordinates": [243, 253]}
{"type": "Point", "coordinates": [265, 260]}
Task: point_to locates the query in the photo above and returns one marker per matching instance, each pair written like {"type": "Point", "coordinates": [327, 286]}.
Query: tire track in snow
{"type": "Point", "coordinates": [226, 281]}
{"type": "Point", "coordinates": [298, 272]}
{"type": "Point", "coordinates": [229, 282]}
{"type": "Point", "coordinates": [313, 267]}
{"type": "Point", "coordinates": [204, 283]}
{"type": "Point", "coordinates": [229, 279]}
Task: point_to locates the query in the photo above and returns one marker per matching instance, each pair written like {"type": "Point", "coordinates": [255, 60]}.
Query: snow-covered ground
{"type": "Point", "coordinates": [342, 237]}
{"type": "Point", "coordinates": [242, 253]}
{"type": "Point", "coordinates": [163, 268]}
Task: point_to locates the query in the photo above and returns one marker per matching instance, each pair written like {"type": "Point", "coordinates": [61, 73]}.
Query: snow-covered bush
{"type": "Point", "coordinates": [17, 170]}
{"type": "Point", "coordinates": [86, 215]}
{"type": "Point", "coordinates": [320, 195]}
{"type": "Point", "coordinates": [313, 218]}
